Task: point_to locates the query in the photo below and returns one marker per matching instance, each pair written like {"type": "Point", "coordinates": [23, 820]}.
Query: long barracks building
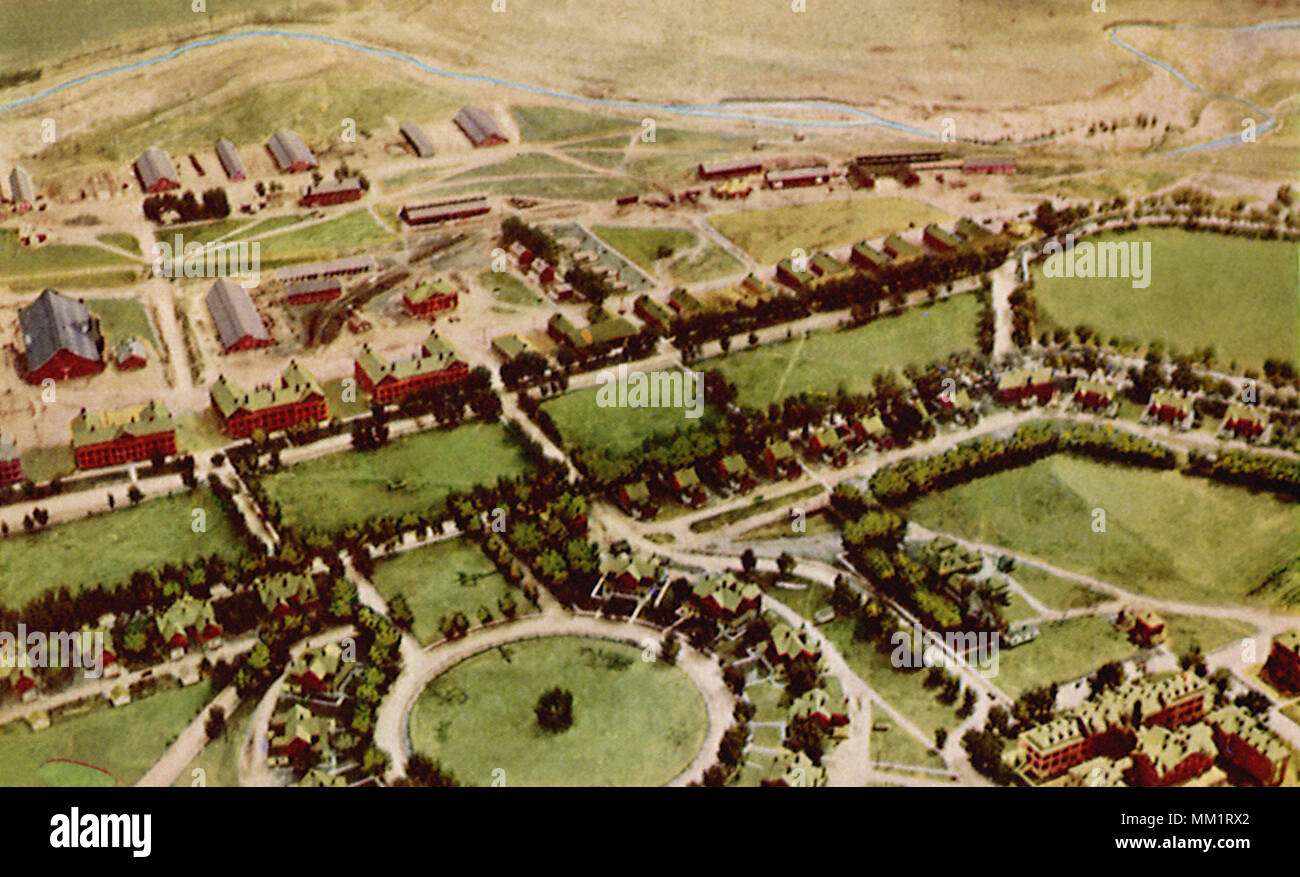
{"type": "Point", "coordinates": [110, 438]}
{"type": "Point", "coordinates": [435, 364]}
{"type": "Point", "coordinates": [297, 398]}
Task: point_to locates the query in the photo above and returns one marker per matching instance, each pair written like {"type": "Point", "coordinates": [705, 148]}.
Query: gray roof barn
{"type": "Point", "coordinates": [290, 151]}
{"type": "Point", "coordinates": [479, 126]}
{"type": "Point", "coordinates": [153, 165]}
{"type": "Point", "coordinates": [21, 186]}
{"type": "Point", "coordinates": [128, 348]}
{"type": "Point", "coordinates": [234, 314]}
{"type": "Point", "coordinates": [230, 159]}
{"type": "Point", "coordinates": [55, 322]}
{"type": "Point", "coordinates": [416, 137]}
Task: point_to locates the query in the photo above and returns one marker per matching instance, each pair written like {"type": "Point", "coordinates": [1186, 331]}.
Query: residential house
{"type": "Point", "coordinates": [724, 597]}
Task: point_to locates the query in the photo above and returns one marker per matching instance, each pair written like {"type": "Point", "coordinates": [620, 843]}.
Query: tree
{"type": "Point", "coordinates": [801, 675]}
{"type": "Point", "coordinates": [747, 560]}
{"type": "Point", "coordinates": [555, 710]}
{"type": "Point", "coordinates": [135, 494]}
{"type": "Point", "coordinates": [940, 737]}
{"type": "Point", "coordinates": [216, 723]}
{"type": "Point", "coordinates": [668, 648]}
{"type": "Point", "coordinates": [785, 563]}
{"type": "Point", "coordinates": [400, 612]}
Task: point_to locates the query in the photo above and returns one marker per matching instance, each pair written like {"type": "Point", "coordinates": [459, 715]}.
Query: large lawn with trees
{"type": "Point", "coordinates": [1064, 650]}
{"type": "Point", "coordinates": [107, 548]}
{"type": "Point", "coordinates": [585, 423]}
{"type": "Point", "coordinates": [634, 722]}
{"type": "Point", "coordinates": [413, 473]}
{"type": "Point", "coordinates": [442, 579]}
{"type": "Point", "coordinates": [825, 362]}
{"type": "Point", "coordinates": [771, 234]}
{"type": "Point", "coordinates": [125, 741]}
{"type": "Point", "coordinates": [1206, 290]}
{"type": "Point", "coordinates": [1166, 534]}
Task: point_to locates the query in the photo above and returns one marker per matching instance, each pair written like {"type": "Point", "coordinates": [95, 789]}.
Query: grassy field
{"type": "Point", "coordinates": [1206, 289]}
{"type": "Point", "coordinates": [586, 424]}
{"type": "Point", "coordinates": [1167, 535]}
{"type": "Point", "coordinates": [828, 361]}
{"type": "Point", "coordinates": [539, 124]}
{"type": "Point", "coordinates": [122, 240]}
{"type": "Point", "coordinates": [324, 239]}
{"type": "Point", "coordinates": [1065, 650]}
{"type": "Point", "coordinates": [1054, 591]}
{"type": "Point", "coordinates": [896, 746]}
{"type": "Point", "coordinates": [124, 741]}
{"type": "Point", "coordinates": [266, 226]}
{"type": "Point", "coordinates": [577, 186]}
{"type": "Point", "coordinates": [202, 232]}
{"type": "Point", "coordinates": [410, 474]}
{"type": "Point", "coordinates": [122, 317]}
{"type": "Point", "coordinates": [758, 506]}
{"type": "Point", "coordinates": [77, 280]}
{"type": "Point", "coordinates": [641, 245]}
{"type": "Point", "coordinates": [219, 760]}
{"type": "Point", "coordinates": [507, 288]}
{"type": "Point", "coordinates": [1211, 634]}
{"type": "Point", "coordinates": [533, 164]}
{"type": "Point", "coordinates": [708, 263]}
{"type": "Point", "coordinates": [439, 580]}
{"type": "Point", "coordinates": [770, 235]}
{"type": "Point", "coordinates": [108, 548]}
{"type": "Point", "coordinates": [17, 260]}
{"type": "Point", "coordinates": [605, 158]}
{"type": "Point", "coordinates": [635, 723]}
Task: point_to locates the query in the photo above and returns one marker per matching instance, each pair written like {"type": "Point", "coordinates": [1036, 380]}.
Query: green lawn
{"type": "Point", "coordinates": [757, 506]}
{"type": "Point", "coordinates": [605, 158]}
{"type": "Point", "coordinates": [708, 263]}
{"type": "Point", "coordinates": [219, 760]}
{"type": "Point", "coordinates": [78, 280]}
{"type": "Point", "coordinates": [17, 260]}
{"type": "Point", "coordinates": [124, 741]}
{"type": "Point", "coordinates": [266, 226]}
{"type": "Point", "coordinates": [441, 579]}
{"type": "Point", "coordinates": [896, 746]}
{"type": "Point", "coordinates": [122, 240]}
{"type": "Point", "coordinates": [580, 187]}
{"type": "Point", "coordinates": [540, 123]}
{"type": "Point", "coordinates": [1206, 289]}
{"type": "Point", "coordinates": [1065, 650]}
{"type": "Point", "coordinates": [585, 423]}
{"type": "Point", "coordinates": [1167, 535]}
{"type": "Point", "coordinates": [201, 232]}
{"type": "Point", "coordinates": [324, 239]}
{"type": "Point", "coordinates": [771, 234]}
{"type": "Point", "coordinates": [507, 288]}
{"type": "Point", "coordinates": [847, 360]}
{"type": "Point", "coordinates": [635, 723]}
{"type": "Point", "coordinates": [108, 548]}
{"type": "Point", "coordinates": [641, 245]}
{"type": "Point", "coordinates": [1211, 634]}
{"type": "Point", "coordinates": [121, 317]}
{"type": "Point", "coordinates": [1054, 591]}
{"type": "Point", "coordinates": [410, 474]}
{"type": "Point", "coordinates": [902, 689]}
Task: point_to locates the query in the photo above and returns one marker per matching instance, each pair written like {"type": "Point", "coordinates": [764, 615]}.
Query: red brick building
{"type": "Point", "coordinates": [1019, 386]}
{"type": "Point", "coordinates": [156, 172]}
{"type": "Point", "coordinates": [11, 466]}
{"type": "Point", "coordinates": [329, 192]}
{"type": "Point", "coordinates": [110, 438]}
{"type": "Point", "coordinates": [306, 292]}
{"type": "Point", "coordinates": [1248, 746]}
{"type": "Point", "coordinates": [297, 398]}
{"type": "Point", "coordinates": [1283, 664]}
{"type": "Point", "coordinates": [236, 318]}
{"type": "Point", "coordinates": [431, 299]}
{"type": "Point", "coordinates": [61, 340]}
{"type": "Point", "coordinates": [436, 364]}
{"type": "Point", "coordinates": [1164, 757]}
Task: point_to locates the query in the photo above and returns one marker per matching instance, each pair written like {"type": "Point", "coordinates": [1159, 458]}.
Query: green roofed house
{"type": "Point", "coordinates": [724, 596]}
{"type": "Point", "coordinates": [295, 729]}
{"type": "Point", "coordinates": [319, 670]}
{"type": "Point", "coordinates": [11, 464]}
{"type": "Point", "coordinates": [792, 276]}
{"type": "Point", "coordinates": [868, 257]}
{"type": "Point", "coordinates": [788, 644]}
{"type": "Point", "coordinates": [1244, 421]}
{"type": "Point", "coordinates": [287, 593]}
{"type": "Point", "coordinates": [734, 472]}
{"type": "Point", "coordinates": [684, 303]}
{"type": "Point", "coordinates": [779, 460]}
{"type": "Point", "coordinates": [825, 266]}
{"type": "Point", "coordinates": [938, 239]}
{"type": "Point", "coordinates": [632, 572]}
{"type": "Point", "coordinates": [1164, 757]}
{"type": "Point", "coordinates": [609, 332]}
{"type": "Point", "coordinates": [297, 398]}
{"type": "Point", "coordinates": [1169, 407]}
{"type": "Point", "coordinates": [508, 347]}
{"type": "Point", "coordinates": [653, 313]}
{"type": "Point", "coordinates": [431, 298]}
{"type": "Point", "coordinates": [386, 381]}
{"type": "Point", "coordinates": [1249, 745]}
{"type": "Point", "coordinates": [634, 500]}
{"type": "Point", "coordinates": [109, 438]}
{"type": "Point", "coordinates": [319, 779]}
{"type": "Point", "coordinates": [795, 770]}
{"type": "Point", "coordinates": [187, 620]}
{"type": "Point", "coordinates": [972, 232]}
{"type": "Point", "coordinates": [754, 286]}
{"type": "Point", "coordinates": [900, 249]}
{"type": "Point", "coordinates": [1094, 396]}
{"type": "Point", "coordinates": [686, 484]}
{"type": "Point", "coordinates": [826, 705]}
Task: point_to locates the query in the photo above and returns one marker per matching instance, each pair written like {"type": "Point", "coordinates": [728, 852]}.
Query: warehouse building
{"type": "Point", "coordinates": [814, 175]}
{"type": "Point", "coordinates": [415, 136]}
{"type": "Point", "coordinates": [60, 338]}
{"type": "Point", "coordinates": [333, 268]}
{"type": "Point", "coordinates": [156, 171]}
{"type": "Point", "coordinates": [1004, 165]}
{"type": "Point", "coordinates": [444, 211]}
{"type": "Point", "coordinates": [332, 192]}
{"type": "Point", "coordinates": [479, 126]}
{"type": "Point", "coordinates": [306, 292]}
{"type": "Point", "coordinates": [235, 316]}
{"type": "Point", "coordinates": [290, 153]}
{"type": "Point", "coordinates": [732, 167]}
{"type": "Point", "coordinates": [229, 158]}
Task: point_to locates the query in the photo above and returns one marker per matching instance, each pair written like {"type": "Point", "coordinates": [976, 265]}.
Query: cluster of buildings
{"type": "Point", "coordinates": [1152, 732]}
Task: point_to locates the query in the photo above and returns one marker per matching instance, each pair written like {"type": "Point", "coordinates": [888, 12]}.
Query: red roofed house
{"type": "Point", "coordinates": [1244, 421]}
{"type": "Point", "coordinates": [11, 464]}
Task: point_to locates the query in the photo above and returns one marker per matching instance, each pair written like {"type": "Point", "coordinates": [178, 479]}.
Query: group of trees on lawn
{"type": "Point", "coordinates": [215, 205]}
{"type": "Point", "coordinates": [909, 479]}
